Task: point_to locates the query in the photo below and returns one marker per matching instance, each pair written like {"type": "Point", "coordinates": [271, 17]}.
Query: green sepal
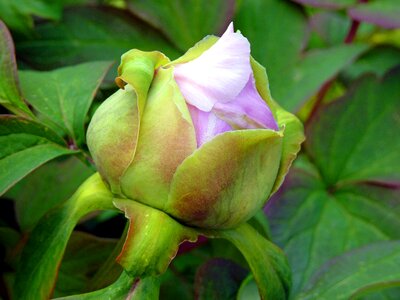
{"type": "Point", "coordinates": [152, 241]}
{"type": "Point", "coordinates": [166, 138]}
{"type": "Point", "coordinates": [226, 180]}
{"type": "Point", "coordinates": [126, 287]}
{"type": "Point", "coordinates": [112, 136]}
{"type": "Point", "coordinates": [44, 250]}
{"type": "Point", "coordinates": [267, 262]}
{"type": "Point", "coordinates": [293, 129]}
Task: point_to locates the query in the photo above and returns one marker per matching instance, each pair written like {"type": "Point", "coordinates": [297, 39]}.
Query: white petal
{"type": "Point", "coordinates": [219, 74]}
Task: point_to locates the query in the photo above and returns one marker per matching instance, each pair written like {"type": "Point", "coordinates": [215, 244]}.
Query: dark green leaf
{"type": "Point", "coordinates": [41, 257]}
{"type": "Point", "coordinates": [383, 13]}
{"type": "Point", "coordinates": [10, 95]}
{"type": "Point", "coordinates": [63, 96]}
{"type": "Point", "coordinates": [46, 187]}
{"type": "Point", "coordinates": [314, 224]}
{"type": "Point", "coordinates": [352, 139]}
{"type": "Point", "coordinates": [88, 34]}
{"type": "Point", "coordinates": [218, 279]}
{"type": "Point", "coordinates": [25, 145]}
{"type": "Point", "coordinates": [344, 275]}
{"type": "Point", "coordinates": [83, 257]}
{"type": "Point", "coordinates": [185, 22]}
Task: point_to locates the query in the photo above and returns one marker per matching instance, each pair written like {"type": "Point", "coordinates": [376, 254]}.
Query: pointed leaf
{"type": "Point", "coordinates": [347, 148]}
{"type": "Point", "coordinates": [10, 94]}
{"type": "Point", "coordinates": [63, 96]}
{"type": "Point", "coordinates": [25, 145]}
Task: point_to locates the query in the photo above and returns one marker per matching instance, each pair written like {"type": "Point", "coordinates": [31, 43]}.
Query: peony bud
{"type": "Point", "coordinates": [199, 138]}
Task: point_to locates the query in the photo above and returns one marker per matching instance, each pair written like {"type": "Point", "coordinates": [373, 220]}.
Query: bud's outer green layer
{"type": "Point", "coordinates": [143, 142]}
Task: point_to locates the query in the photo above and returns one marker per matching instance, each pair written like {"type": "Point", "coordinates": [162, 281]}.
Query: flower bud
{"type": "Point", "coordinates": [199, 138]}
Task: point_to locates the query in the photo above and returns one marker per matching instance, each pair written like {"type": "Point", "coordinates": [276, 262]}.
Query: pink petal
{"type": "Point", "coordinates": [218, 74]}
{"type": "Point", "coordinates": [248, 110]}
{"type": "Point", "coordinates": [207, 125]}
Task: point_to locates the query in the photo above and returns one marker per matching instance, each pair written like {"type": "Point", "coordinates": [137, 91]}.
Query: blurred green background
{"type": "Point", "coordinates": [336, 64]}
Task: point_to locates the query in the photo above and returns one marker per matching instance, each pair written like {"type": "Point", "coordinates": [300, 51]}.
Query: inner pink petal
{"type": "Point", "coordinates": [247, 111]}
{"type": "Point", "coordinates": [207, 125]}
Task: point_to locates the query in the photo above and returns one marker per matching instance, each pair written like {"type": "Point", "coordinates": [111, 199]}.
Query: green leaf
{"type": "Point", "coordinates": [378, 61]}
{"type": "Point", "coordinates": [41, 257]}
{"type": "Point", "coordinates": [312, 71]}
{"type": "Point", "coordinates": [384, 13]}
{"type": "Point", "coordinates": [185, 22]}
{"type": "Point", "coordinates": [18, 14]}
{"type": "Point", "coordinates": [152, 240]}
{"type": "Point", "coordinates": [330, 26]}
{"type": "Point", "coordinates": [314, 224]}
{"type": "Point", "coordinates": [90, 34]}
{"type": "Point", "coordinates": [329, 4]}
{"type": "Point", "coordinates": [83, 256]}
{"type": "Point", "coordinates": [294, 76]}
{"type": "Point", "coordinates": [63, 96]}
{"type": "Point", "coordinates": [344, 275]}
{"type": "Point", "coordinates": [218, 279]}
{"type": "Point", "coordinates": [46, 187]}
{"type": "Point", "coordinates": [25, 145]}
{"type": "Point", "coordinates": [346, 148]}
{"type": "Point", "coordinates": [276, 51]}
{"type": "Point", "coordinates": [10, 95]}
{"type": "Point", "coordinates": [267, 262]}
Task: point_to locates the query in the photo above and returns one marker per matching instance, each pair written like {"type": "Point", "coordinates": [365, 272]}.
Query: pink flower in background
{"type": "Point", "coordinates": [220, 90]}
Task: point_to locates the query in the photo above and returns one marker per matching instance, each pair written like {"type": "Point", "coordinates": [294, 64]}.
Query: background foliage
{"type": "Point", "coordinates": [334, 63]}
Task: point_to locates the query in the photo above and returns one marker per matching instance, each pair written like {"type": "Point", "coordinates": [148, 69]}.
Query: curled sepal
{"type": "Point", "coordinates": [42, 255]}
{"type": "Point", "coordinates": [137, 68]}
{"type": "Point", "coordinates": [152, 241]}
{"type": "Point", "coordinates": [267, 262]}
{"type": "Point", "coordinates": [293, 128]}
{"type": "Point", "coordinates": [126, 287]}
{"type": "Point", "coordinates": [227, 180]}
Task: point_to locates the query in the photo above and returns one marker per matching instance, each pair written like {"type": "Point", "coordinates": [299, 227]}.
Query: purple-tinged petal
{"type": "Point", "coordinates": [247, 111]}
{"type": "Point", "coordinates": [207, 125]}
{"type": "Point", "coordinates": [217, 75]}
